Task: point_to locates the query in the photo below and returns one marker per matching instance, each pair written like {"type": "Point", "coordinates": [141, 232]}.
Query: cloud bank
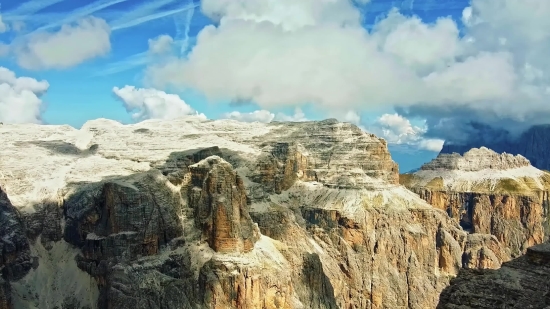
{"type": "Point", "coordinates": [20, 100]}
{"type": "Point", "coordinates": [276, 53]}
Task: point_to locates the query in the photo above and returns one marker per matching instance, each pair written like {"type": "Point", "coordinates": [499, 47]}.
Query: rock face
{"type": "Point", "coordinates": [219, 199]}
{"type": "Point", "coordinates": [532, 144]}
{"type": "Point", "coordinates": [191, 213]}
{"type": "Point", "coordinates": [520, 283]}
{"type": "Point", "coordinates": [15, 260]}
{"type": "Point", "coordinates": [488, 193]}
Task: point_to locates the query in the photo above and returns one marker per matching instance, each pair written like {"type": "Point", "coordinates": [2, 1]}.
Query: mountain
{"type": "Point", "coordinates": [219, 214]}
{"type": "Point", "coordinates": [533, 144]}
{"type": "Point", "coordinates": [487, 192]}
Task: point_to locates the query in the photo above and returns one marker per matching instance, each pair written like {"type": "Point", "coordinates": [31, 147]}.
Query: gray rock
{"type": "Point", "coordinates": [520, 283]}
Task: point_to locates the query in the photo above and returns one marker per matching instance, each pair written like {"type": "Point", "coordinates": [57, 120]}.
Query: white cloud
{"type": "Point", "coordinates": [298, 116]}
{"type": "Point", "coordinates": [259, 115]}
{"type": "Point", "coordinates": [431, 144]}
{"type": "Point", "coordinates": [161, 44]}
{"type": "Point", "coordinates": [289, 14]}
{"type": "Point", "coordinates": [266, 116]}
{"type": "Point", "coordinates": [4, 49]}
{"type": "Point", "coordinates": [70, 46]}
{"type": "Point", "coordinates": [424, 47]}
{"type": "Point", "coordinates": [397, 129]}
{"type": "Point", "coordinates": [352, 117]}
{"type": "Point", "coordinates": [147, 103]}
{"type": "Point", "coordinates": [287, 53]}
{"type": "Point", "coordinates": [20, 98]}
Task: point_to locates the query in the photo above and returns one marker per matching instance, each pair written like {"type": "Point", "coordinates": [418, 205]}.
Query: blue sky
{"type": "Point", "coordinates": [253, 57]}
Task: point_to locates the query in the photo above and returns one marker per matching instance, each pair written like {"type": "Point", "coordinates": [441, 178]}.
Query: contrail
{"type": "Point", "coordinates": [147, 18]}
{"type": "Point", "coordinates": [140, 11]}
{"type": "Point", "coordinates": [82, 12]}
{"type": "Point", "coordinates": [129, 63]}
{"type": "Point", "coordinates": [31, 7]}
{"type": "Point", "coordinates": [182, 35]}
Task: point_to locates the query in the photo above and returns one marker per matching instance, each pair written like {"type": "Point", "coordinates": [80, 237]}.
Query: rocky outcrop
{"type": "Point", "coordinates": [532, 144]}
{"type": "Point", "coordinates": [15, 260]}
{"type": "Point", "coordinates": [219, 200]}
{"type": "Point", "coordinates": [15, 255]}
{"type": "Point", "coordinates": [477, 159]}
{"type": "Point", "coordinates": [281, 165]}
{"type": "Point", "coordinates": [220, 214]}
{"type": "Point", "coordinates": [520, 283]}
{"type": "Point", "coordinates": [488, 193]}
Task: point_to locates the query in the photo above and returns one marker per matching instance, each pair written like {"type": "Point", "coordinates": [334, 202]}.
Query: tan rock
{"type": "Point", "coordinates": [220, 206]}
{"type": "Point", "coordinates": [488, 193]}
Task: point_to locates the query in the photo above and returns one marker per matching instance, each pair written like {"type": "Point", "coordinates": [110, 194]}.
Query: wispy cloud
{"type": "Point", "coordinates": [126, 22]}
{"type": "Point", "coordinates": [126, 64]}
{"type": "Point", "coordinates": [81, 12]}
{"type": "Point", "coordinates": [182, 23]}
{"type": "Point", "coordinates": [31, 7]}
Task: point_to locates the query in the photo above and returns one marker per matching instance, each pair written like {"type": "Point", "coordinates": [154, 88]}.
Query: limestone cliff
{"type": "Point", "coordinates": [521, 283]}
{"type": "Point", "coordinates": [490, 193]}
{"type": "Point", "coordinates": [191, 213]}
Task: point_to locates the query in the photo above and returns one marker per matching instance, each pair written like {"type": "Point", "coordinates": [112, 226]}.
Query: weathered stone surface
{"type": "Point", "coordinates": [162, 214]}
{"type": "Point", "coordinates": [278, 169]}
{"type": "Point", "coordinates": [488, 193]}
{"type": "Point", "coordinates": [5, 295]}
{"type": "Point", "coordinates": [219, 200]}
{"type": "Point", "coordinates": [520, 283]}
{"type": "Point", "coordinates": [120, 220]}
{"type": "Point", "coordinates": [476, 159]}
{"type": "Point", "coordinates": [15, 259]}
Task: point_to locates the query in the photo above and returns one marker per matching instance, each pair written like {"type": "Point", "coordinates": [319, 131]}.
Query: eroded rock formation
{"type": "Point", "coordinates": [532, 144]}
{"type": "Point", "coordinates": [220, 214]}
{"type": "Point", "coordinates": [488, 193]}
{"type": "Point", "coordinates": [520, 283]}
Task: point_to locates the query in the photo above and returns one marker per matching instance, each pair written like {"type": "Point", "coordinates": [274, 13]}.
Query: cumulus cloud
{"type": "Point", "coordinates": [148, 103]}
{"type": "Point", "coordinates": [71, 45]}
{"type": "Point", "coordinates": [352, 117]}
{"type": "Point", "coordinates": [20, 100]}
{"type": "Point", "coordinates": [397, 129]}
{"type": "Point", "coordinates": [266, 116]}
{"type": "Point", "coordinates": [354, 69]}
{"type": "Point", "coordinates": [276, 53]}
{"type": "Point", "coordinates": [298, 116]}
{"type": "Point", "coordinates": [161, 44]}
{"type": "Point", "coordinates": [259, 115]}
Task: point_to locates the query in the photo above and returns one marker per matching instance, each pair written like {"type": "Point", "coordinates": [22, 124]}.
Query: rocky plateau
{"type": "Point", "coordinates": [194, 213]}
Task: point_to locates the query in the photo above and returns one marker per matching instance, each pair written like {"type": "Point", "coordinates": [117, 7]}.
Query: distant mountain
{"type": "Point", "coordinates": [534, 144]}
{"type": "Point", "coordinates": [498, 194]}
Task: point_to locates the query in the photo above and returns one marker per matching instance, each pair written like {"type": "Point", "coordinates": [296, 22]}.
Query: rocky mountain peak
{"type": "Point", "coordinates": [221, 211]}
{"type": "Point", "coordinates": [477, 159]}
{"type": "Point", "coordinates": [533, 144]}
